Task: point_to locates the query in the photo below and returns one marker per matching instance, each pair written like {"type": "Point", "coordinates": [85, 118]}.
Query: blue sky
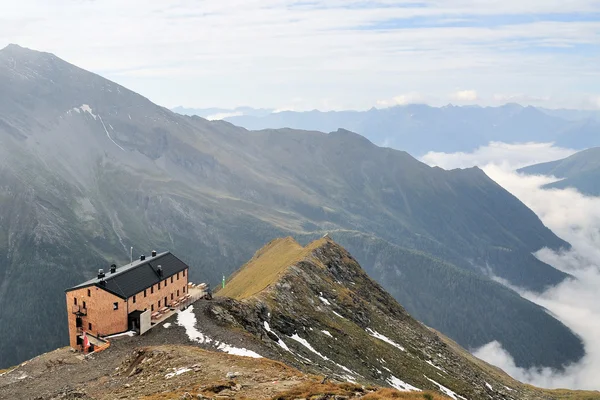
{"type": "Point", "coordinates": [326, 54]}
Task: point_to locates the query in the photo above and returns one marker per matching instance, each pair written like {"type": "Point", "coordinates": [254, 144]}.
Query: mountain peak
{"type": "Point", "coordinates": [13, 48]}
{"type": "Point", "coordinates": [268, 265]}
{"type": "Point", "coordinates": [320, 311]}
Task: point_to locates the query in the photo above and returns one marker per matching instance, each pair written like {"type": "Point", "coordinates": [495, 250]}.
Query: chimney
{"type": "Point", "coordinates": [153, 253]}
{"type": "Point", "coordinates": [142, 257]}
{"type": "Point", "coordinates": [113, 269]}
{"type": "Point", "coordinates": [101, 274]}
{"type": "Point", "coordinates": [160, 271]}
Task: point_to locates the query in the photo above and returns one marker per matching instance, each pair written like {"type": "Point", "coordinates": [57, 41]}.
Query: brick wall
{"type": "Point", "coordinates": [153, 295]}
{"type": "Point", "coordinates": [102, 316]}
{"type": "Point", "coordinates": [105, 319]}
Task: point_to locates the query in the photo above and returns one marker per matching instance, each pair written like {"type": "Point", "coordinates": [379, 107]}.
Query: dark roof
{"type": "Point", "coordinates": [133, 278]}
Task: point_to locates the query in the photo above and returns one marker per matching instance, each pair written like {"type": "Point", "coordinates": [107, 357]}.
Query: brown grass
{"type": "Point", "coordinates": [265, 267]}
{"type": "Point", "coordinates": [385, 394]}
{"type": "Point", "coordinates": [309, 389]}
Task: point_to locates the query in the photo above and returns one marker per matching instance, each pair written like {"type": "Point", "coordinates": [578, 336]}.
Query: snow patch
{"type": "Point", "coordinates": [401, 385]}
{"type": "Point", "coordinates": [187, 319]}
{"type": "Point", "coordinates": [87, 109]}
{"type": "Point", "coordinates": [434, 366]}
{"type": "Point", "coordinates": [108, 134]}
{"type": "Point", "coordinates": [305, 343]}
{"type": "Point", "coordinates": [236, 351]}
{"type": "Point", "coordinates": [379, 336]}
{"type": "Point", "coordinates": [323, 299]}
{"type": "Point", "coordinates": [337, 314]}
{"type": "Point", "coordinates": [327, 333]}
{"type": "Point", "coordinates": [445, 390]}
{"type": "Point", "coordinates": [167, 325]}
{"type": "Point", "coordinates": [129, 333]}
{"type": "Point", "coordinates": [177, 372]}
{"type": "Point", "coordinates": [280, 342]}
{"type": "Point", "coordinates": [489, 386]}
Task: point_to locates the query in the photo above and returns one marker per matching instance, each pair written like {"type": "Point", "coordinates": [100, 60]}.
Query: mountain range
{"type": "Point", "coordinates": [419, 128]}
{"type": "Point", "coordinates": [580, 171]}
{"type": "Point", "coordinates": [298, 322]}
{"type": "Point", "coordinates": [89, 168]}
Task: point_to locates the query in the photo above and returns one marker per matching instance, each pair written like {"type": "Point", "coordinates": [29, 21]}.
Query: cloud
{"type": "Point", "coordinates": [220, 116]}
{"type": "Point", "coordinates": [228, 52]}
{"type": "Point", "coordinates": [575, 218]}
{"type": "Point", "coordinates": [403, 99]}
{"type": "Point", "coordinates": [520, 98]}
{"type": "Point", "coordinates": [465, 96]}
{"type": "Point", "coordinates": [508, 156]}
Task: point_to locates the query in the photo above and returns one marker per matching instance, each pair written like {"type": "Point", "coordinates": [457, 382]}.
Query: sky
{"type": "Point", "coordinates": [325, 54]}
{"type": "Point", "coordinates": [575, 218]}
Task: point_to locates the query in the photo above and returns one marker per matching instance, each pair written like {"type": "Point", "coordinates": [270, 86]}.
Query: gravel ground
{"type": "Point", "coordinates": [61, 372]}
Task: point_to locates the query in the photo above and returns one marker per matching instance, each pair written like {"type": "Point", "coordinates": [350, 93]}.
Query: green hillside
{"type": "Point", "coordinates": [580, 171]}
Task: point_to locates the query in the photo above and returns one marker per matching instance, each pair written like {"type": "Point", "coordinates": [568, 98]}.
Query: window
{"type": "Point", "coordinates": [152, 289]}
{"type": "Point", "coordinates": [144, 292]}
{"type": "Point", "coordinates": [84, 305]}
{"type": "Point", "coordinates": [158, 285]}
{"type": "Point", "coordinates": [134, 299]}
{"type": "Point", "coordinates": [184, 289]}
{"type": "Point", "coordinates": [115, 306]}
{"type": "Point", "coordinates": [165, 283]}
{"type": "Point", "coordinates": [90, 326]}
{"type": "Point", "coordinates": [177, 292]}
{"type": "Point", "coordinates": [152, 307]}
{"type": "Point", "coordinates": [171, 279]}
{"type": "Point", "coordinates": [184, 272]}
{"type": "Point", "coordinates": [159, 304]}
{"type": "Point", "coordinates": [89, 293]}
{"type": "Point", "coordinates": [165, 301]}
{"type": "Point", "coordinates": [75, 300]}
{"type": "Point", "coordinates": [171, 296]}
{"type": "Point", "coordinates": [178, 276]}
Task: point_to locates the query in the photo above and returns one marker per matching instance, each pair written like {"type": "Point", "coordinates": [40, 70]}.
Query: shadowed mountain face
{"type": "Point", "coordinates": [89, 168]}
{"type": "Point", "coordinates": [419, 128]}
{"type": "Point", "coordinates": [580, 171]}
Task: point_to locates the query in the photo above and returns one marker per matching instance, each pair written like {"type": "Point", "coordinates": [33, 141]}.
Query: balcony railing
{"type": "Point", "coordinates": [78, 310]}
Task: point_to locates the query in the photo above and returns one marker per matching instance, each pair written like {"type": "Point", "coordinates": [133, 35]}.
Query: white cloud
{"type": "Point", "coordinates": [228, 52]}
{"type": "Point", "coordinates": [520, 98]}
{"type": "Point", "coordinates": [221, 116]}
{"type": "Point", "coordinates": [465, 96]}
{"type": "Point", "coordinates": [508, 156]}
{"type": "Point", "coordinates": [403, 99]}
{"type": "Point", "coordinates": [575, 218]}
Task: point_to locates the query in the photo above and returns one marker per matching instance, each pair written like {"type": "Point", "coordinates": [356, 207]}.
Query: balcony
{"type": "Point", "coordinates": [79, 310]}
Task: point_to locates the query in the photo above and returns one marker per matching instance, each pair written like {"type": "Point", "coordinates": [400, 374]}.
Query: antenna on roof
{"type": "Point", "coordinates": [131, 254]}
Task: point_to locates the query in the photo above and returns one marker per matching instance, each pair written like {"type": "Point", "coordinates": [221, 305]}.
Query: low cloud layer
{"type": "Point", "coordinates": [575, 218]}
{"type": "Point", "coordinates": [503, 155]}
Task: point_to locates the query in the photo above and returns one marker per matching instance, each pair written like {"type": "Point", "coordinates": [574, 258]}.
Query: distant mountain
{"type": "Point", "coordinates": [419, 129]}
{"type": "Point", "coordinates": [89, 168]}
{"type": "Point", "coordinates": [221, 113]}
{"type": "Point", "coordinates": [310, 324]}
{"type": "Point", "coordinates": [580, 171]}
{"type": "Point", "coordinates": [573, 115]}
